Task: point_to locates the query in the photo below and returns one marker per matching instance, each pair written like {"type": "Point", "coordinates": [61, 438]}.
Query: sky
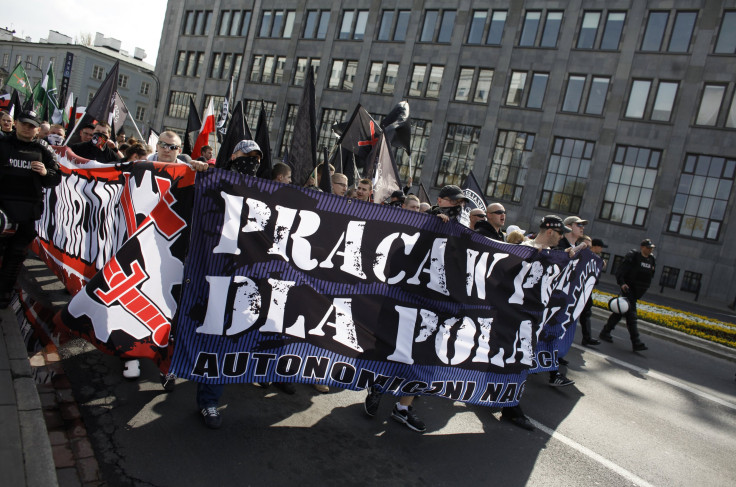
{"type": "Point", "coordinates": [136, 23]}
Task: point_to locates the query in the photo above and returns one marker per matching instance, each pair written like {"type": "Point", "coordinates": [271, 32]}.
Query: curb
{"type": "Point", "coordinates": [38, 460]}
{"type": "Point", "coordinates": [678, 337]}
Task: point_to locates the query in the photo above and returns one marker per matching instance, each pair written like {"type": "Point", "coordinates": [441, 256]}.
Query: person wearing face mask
{"type": "Point", "coordinates": [246, 158]}
{"type": "Point", "coordinates": [450, 203]}
{"type": "Point", "coordinates": [100, 148]}
{"type": "Point", "coordinates": [56, 135]}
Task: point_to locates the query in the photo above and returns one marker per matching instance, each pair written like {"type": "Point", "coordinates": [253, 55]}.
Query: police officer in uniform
{"type": "Point", "coordinates": [26, 167]}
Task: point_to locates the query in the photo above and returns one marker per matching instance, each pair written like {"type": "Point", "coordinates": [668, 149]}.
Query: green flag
{"type": "Point", "coordinates": [39, 96]}
{"type": "Point", "coordinates": [18, 79]}
{"type": "Point", "coordinates": [51, 103]}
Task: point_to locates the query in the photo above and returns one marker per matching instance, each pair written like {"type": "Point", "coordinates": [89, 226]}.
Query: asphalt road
{"type": "Point", "coordinates": [665, 417]}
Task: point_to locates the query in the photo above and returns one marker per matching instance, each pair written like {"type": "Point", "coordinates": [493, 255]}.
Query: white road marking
{"type": "Point", "coordinates": [658, 376]}
{"type": "Point", "coordinates": [634, 479]}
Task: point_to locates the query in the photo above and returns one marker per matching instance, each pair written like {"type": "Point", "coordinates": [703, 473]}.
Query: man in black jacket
{"type": "Point", "coordinates": [26, 167]}
{"type": "Point", "coordinates": [634, 275]}
{"type": "Point", "coordinates": [100, 148]}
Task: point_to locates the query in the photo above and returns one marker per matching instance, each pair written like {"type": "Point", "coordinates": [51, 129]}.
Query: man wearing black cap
{"type": "Point", "coordinates": [100, 148]}
{"type": "Point", "coordinates": [450, 203]}
{"type": "Point", "coordinates": [634, 275]}
{"type": "Point", "coordinates": [26, 167]}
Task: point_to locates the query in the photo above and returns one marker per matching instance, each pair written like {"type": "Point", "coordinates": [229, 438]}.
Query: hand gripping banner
{"type": "Point", "coordinates": [289, 284]}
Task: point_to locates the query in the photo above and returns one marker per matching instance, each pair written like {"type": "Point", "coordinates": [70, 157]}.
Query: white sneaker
{"type": "Point", "coordinates": [132, 369]}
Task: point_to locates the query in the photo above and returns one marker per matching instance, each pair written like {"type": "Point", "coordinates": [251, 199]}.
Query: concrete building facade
{"type": "Point", "coordinates": [137, 83]}
{"type": "Point", "coordinates": [619, 111]}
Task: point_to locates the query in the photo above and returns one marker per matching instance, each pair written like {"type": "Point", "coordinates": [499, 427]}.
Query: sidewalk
{"type": "Point", "coordinates": [25, 454]}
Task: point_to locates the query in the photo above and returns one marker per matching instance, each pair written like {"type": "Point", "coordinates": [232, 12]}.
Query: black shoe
{"type": "Point", "coordinates": [590, 342]}
{"type": "Point", "coordinates": [559, 380]}
{"type": "Point", "coordinates": [605, 336]}
{"type": "Point", "coordinates": [562, 361]}
{"type": "Point", "coordinates": [520, 421]}
{"type": "Point", "coordinates": [639, 347]}
{"type": "Point", "coordinates": [212, 417]}
{"type": "Point", "coordinates": [285, 387]}
{"type": "Point", "coordinates": [372, 401]}
{"type": "Point", "coordinates": [409, 419]}
{"type": "Point", "coordinates": [167, 381]}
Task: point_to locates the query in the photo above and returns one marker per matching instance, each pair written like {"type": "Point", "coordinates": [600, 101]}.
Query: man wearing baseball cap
{"type": "Point", "coordinates": [450, 203]}
{"type": "Point", "coordinates": [26, 167]}
{"type": "Point", "coordinates": [551, 230]}
{"type": "Point", "coordinates": [577, 229]}
{"type": "Point", "coordinates": [246, 158]}
{"type": "Point", "coordinates": [634, 275]}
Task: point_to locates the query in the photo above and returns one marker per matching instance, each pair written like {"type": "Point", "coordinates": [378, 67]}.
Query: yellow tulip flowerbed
{"type": "Point", "coordinates": [700, 326]}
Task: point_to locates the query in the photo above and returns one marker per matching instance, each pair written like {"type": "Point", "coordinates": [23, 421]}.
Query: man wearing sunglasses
{"type": "Point", "coordinates": [100, 148]}
{"type": "Point", "coordinates": [168, 149]}
{"type": "Point", "coordinates": [495, 220]}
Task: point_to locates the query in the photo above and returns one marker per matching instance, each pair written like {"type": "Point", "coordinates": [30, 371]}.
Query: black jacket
{"type": "Point", "coordinates": [487, 230]}
{"type": "Point", "coordinates": [637, 272]}
{"type": "Point", "coordinates": [90, 151]}
{"type": "Point", "coordinates": [21, 189]}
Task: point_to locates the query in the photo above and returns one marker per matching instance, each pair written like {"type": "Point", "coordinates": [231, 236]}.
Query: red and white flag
{"type": "Point", "coordinates": [208, 126]}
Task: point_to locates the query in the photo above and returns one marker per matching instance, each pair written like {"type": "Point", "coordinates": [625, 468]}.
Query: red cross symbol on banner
{"type": "Point", "coordinates": [373, 139]}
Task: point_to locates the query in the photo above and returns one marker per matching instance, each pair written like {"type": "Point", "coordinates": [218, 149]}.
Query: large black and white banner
{"type": "Point", "coordinates": [289, 284]}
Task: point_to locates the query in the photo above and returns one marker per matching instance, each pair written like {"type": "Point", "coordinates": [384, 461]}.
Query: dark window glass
{"type": "Point", "coordinates": [347, 24]}
{"type": "Point", "coordinates": [573, 94]}
{"type": "Point", "coordinates": [324, 23]}
{"type": "Point", "coordinates": [477, 24]}
{"type": "Point", "coordinates": [199, 28]}
{"type": "Point", "coordinates": [495, 32]}
{"type": "Point", "coordinates": [597, 96]}
{"type": "Point", "coordinates": [537, 90]}
{"type": "Point", "coordinates": [246, 24]}
{"type": "Point", "coordinates": [529, 31]}
{"type": "Point", "coordinates": [278, 23]}
{"type": "Point", "coordinates": [387, 19]}
{"type": "Point", "coordinates": [551, 29]}
{"type": "Point", "coordinates": [430, 21]}
{"type": "Point", "coordinates": [265, 25]}
{"type": "Point", "coordinates": [682, 31]}
{"type": "Point", "coordinates": [588, 30]}
{"type": "Point", "coordinates": [612, 31]}
{"type": "Point", "coordinates": [224, 23]}
{"type": "Point", "coordinates": [188, 28]}
{"type": "Point", "coordinates": [655, 31]}
{"type": "Point", "coordinates": [207, 22]}
{"type": "Point", "coordinates": [402, 23]}
{"type": "Point", "coordinates": [311, 24]}
{"type": "Point", "coordinates": [360, 25]}
{"type": "Point", "coordinates": [664, 101]}
{"type": "Point", "coordinates": [235, 27]}
{"type": "Point", "coordinates": [448, 22]}
{"type": "Point", "coordinates": [727, 35]}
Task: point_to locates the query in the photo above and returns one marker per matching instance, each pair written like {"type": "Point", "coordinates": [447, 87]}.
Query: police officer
{"type": "Point", "coordinates": [26, 167]}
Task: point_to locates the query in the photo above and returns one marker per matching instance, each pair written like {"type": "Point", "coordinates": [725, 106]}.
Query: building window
{"type": "Point", "coordinates": [179, 104]}
{"type": "Point", "coordinates": [336, 74]}
{"type": "Point", "coordinates": [278, 72]}
{"type": "Point", "coordinates": [252, 109]}
{"type": "Point", "coordinates": [509, 165]}
{"type": "Point", "coordinates": [389, 79]}
{"type": "Point", "coordinates": [537, 89]}
{"type": "Point", "coordinates": [353, 24]}
{"type": "Point", "coordinates": [300, 73]}
{"type": "Point", "coordinates": [516, 88]}
{"type": "Point", "coordinates": [268, 64]}
{"type": "Point", "coordinates": [430, 88]}
{"type": "Point", "coordinates": [551, 29]}
{"type": "Point", "coordinates": [691, 282]}
{"type": "Point", "coordinates": [630, 185]}
{"type": "Point", "coordinates": [434, 31]}
{"type": "Point", "coordinates": [477, 26]}
{"type": "Point", "coordinates": [495, 30]}
{"type": "Point", "coordinates": [234, 23]}
{"type": "Point", "coordinates": [664, 101]}
{"type": "Point", "coordinates": [702, 196]}
{"type": "Point", "coordinates": [316, 25]}
{"type": "Point", "coordinates": [731, 118]}
{"type": "Point", "coordinates": [458, 154]}
{"type": "Point", "coordinates": [374, 77]}
{"type": "Point", "coordinates": [197, 22]}
{"type": "Point", "coordinates": [574, 94]}
{"type": "Point", "coordinates": [6, 60]}
{"type": "Point", "coordinates": [39, 62]}
{"type": "Point", "coordinates": [680, 35]}
{"type": "Point", "coordinates": [325, 136]}
{"type": "Point", "coordinates": [256, 68]}
{"type": "Point", "coordinates": [530, 27]}
{"type": "Point", "coordinates": [348, 80]}
{"type": "Point", "coordinates": [669, 277]}
{"type": "Point", "coordinates": [638, 98]}
{"type": "Point", "coordinates": [420, 132]}
{"type": "Point", "coordinates": [393, 25]}
{"type": "Point", "coordinates": [98, 72]}
{"type": "Point", "coordinates": [140, 113]}
{"type": "Point", "coordinates": [122, 80]}
{"type": "Point", "coordinates": [726, 43]}
{"type": "Point", "coordinates": [277, 23]}
{"type": "Point", "coordinates": [710, 105]}
{"type": "Point", "coordinates": [597, 95]}
{"type": "Point", "coordinates": [189, 63]}
{"type": "Point", "coordinates": [567, 173]}
{"type": "Point", "coordinates": [145, 88]}
{"type": "Point", "coordinates": [288, 129]}
{"type": "Point", "coordinates": [611, 30]}
{"type": "Point", "coordinates": [479, 78]}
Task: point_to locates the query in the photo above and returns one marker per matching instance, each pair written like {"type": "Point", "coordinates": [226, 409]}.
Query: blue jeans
{"type": "Point", "coordinates": [208, 394]}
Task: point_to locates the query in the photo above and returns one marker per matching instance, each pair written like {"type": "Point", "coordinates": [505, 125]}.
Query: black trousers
{"type": "Point", "coordinates": [584, 319]}
{"type": "Point", "coordinates": [631, 321]}
{"type": "Point", "coordinates": [14, 253]}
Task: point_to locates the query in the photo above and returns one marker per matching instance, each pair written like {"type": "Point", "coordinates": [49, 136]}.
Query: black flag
{"type": "Point", "coordinates": [361, 134]}
{"type": "Point", "coordinates": [194, 123]}
{"type": "Point", "coordinates": [423, 195]}
{"type": "Point", "coordinates": [325, 180]}
{"type": "Point", "coordinates": [222, 118]}
{"type": "Point", "coordinates": [235, 133]}
{"type": "Point", "coordinates": [397, 126]}
{"type": "Point", "coordinates": [15, 105]}
{"type": "Point", "coordinates": [303, 150]}
{"type": "Point", "coordinates": [264, 142]}
{"type": "Point", "coordinates": [99, 108]}
{"type": "Point", "coordinates": [474, 193]}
